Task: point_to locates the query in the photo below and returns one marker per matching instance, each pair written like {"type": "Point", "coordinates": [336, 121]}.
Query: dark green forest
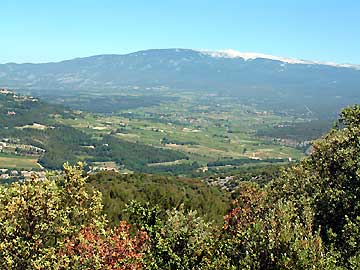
{"type": "Point", "coordinates": [167, 192]}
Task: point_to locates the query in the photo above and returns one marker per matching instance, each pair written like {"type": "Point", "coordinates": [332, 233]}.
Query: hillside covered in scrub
{"type": "Point", "coordinates": [307, 217]}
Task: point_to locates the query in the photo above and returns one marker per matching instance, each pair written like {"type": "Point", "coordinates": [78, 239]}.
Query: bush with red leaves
{"type": "Point", "coordinates": [115, 249]}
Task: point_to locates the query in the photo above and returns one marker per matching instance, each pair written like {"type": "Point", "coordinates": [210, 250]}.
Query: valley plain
{"type": "Point", "coordinates": [181, 133]}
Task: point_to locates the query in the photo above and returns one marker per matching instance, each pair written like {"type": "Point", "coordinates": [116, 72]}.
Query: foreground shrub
{"type": "Point", "coordinates": [116, 249]}
{"type": "Point", "coordinates": [179, 239]}
{"type": "Point", "coordinates": [329, 183]}
{"type": "Point", "coordinates": [57, 223]}
{"type": "Point", "coordinates": [257, 235]}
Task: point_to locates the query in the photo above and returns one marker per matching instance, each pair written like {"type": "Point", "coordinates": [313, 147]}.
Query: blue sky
{"type": "Point", "coordinates": [42, 31]}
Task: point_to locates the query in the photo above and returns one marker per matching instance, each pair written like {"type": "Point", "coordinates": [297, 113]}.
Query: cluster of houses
{"type": "Point", "coordinates": [8, 145]}
{"type": "Point", "coordinates": [4, 91]}
{"type": "Point", "coordinates": [292, 142]}
{"type": "Point", "coordinates": [263, 113]}
{"type": "Point", "coordinates": [13, 174]}
{"type": "Point", "coordinates": [103, 167]}
{"type": "Point", "coordinates": [19, 175]}
{"type": "Point", "coordinates": [227, 183]}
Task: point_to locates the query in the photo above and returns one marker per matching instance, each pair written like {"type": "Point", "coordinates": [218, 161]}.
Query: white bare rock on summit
{"type": "Point", "coordinates": [230, 53]}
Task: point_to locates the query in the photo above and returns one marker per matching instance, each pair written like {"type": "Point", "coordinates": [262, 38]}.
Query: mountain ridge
{"type": "Point", "coordinates": [252, 80]}
{"type": "Point", "coordinates": [222, 53]}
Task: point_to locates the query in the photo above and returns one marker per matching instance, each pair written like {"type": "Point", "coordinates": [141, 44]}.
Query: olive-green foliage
{"type": "Point", "coordinates": [179, 239]}
{"type": "Point", "coordinates": [258, 235]}
{"type": "Point", "coordinates": [352, 239]}
{"type": "Point", "coordinates": [36, 216]}
{"type": "Point", "coordinates": [166, 191]}
{"type": "Point", "coordinates": [329, 183]}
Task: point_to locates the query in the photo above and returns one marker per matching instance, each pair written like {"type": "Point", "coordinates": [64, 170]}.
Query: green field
{"type": "Point", "coordinates": [18, 162]}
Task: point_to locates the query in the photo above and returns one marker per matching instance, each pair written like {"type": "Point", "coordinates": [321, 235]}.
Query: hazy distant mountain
{"type": "Point", "coordinates": [228, 72]}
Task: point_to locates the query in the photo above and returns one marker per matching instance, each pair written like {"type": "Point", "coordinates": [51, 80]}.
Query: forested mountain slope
{"type": "Point", "coordinates": [275, 78]}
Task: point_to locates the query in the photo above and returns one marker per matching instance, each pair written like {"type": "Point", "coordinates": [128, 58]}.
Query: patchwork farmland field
{"type": "Point", "coordinates": [18, 162]}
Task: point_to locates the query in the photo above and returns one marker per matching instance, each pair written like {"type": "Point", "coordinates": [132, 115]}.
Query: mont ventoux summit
{"type": "Point", "coordinates": [188, 159]}
{"type": "Point", "coordinates": [184, 69]}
